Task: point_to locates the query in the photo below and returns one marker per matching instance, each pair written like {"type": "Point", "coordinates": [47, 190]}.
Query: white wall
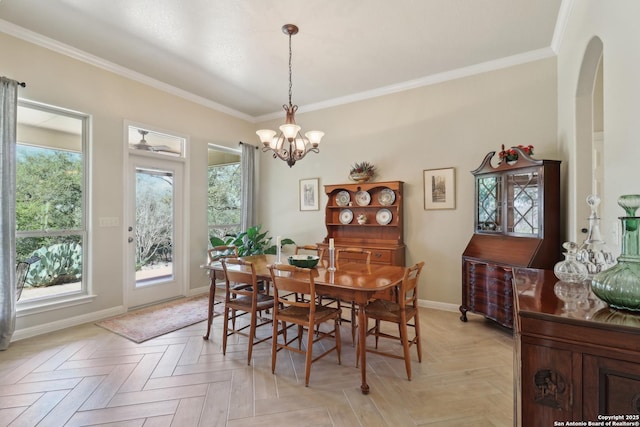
{"type": "Point", "coordinates": [452, 124]}
{"type": "Point", "coordinates": [110, 99]}
{"type": "Point", "coordinates": [616, 24]}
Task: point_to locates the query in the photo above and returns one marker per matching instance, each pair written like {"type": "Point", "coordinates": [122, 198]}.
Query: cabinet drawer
{"type": "Point", "coordinates": [378, 256]}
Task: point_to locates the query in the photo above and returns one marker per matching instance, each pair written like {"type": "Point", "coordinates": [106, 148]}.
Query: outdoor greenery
{"type": "Point", "coordinates": [254, 241]}
{"type": "Point", "coordinates": [154, 218]}
{"type": "Point", "coordinates": [49, 199]}
{"type": "Point", "coordinates": [224, 204]}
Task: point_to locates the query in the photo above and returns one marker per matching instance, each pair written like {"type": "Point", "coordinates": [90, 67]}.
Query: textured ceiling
{"type": "Point", "coordinates": [233, 52]}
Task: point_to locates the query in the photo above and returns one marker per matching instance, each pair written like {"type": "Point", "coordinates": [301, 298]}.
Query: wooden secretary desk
{"type": "Point", "coordinates": [517, 224]}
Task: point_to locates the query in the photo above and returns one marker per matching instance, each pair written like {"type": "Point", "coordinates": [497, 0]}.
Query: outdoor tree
{"type": "Point", "coordinates": [224, 198]}
{"type": "Point", "coordinates": [154, 217]}
{"type": "Point", "coordinates": [48, 195]}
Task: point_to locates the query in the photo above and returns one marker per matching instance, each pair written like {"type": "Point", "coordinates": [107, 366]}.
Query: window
{"type": "Point", "coordinates": [224, 200]}
{"type": "Point", "coordinates": [51, 199]}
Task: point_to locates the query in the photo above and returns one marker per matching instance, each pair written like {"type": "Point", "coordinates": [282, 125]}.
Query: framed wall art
{"type": "Point", "coordinates": [309, 194]}
{"type": "Point", "coordinates": [440, 188]}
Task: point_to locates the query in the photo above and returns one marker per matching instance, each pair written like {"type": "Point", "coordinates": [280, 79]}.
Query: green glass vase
{"type": "Point", "coordinates": [619, 286]}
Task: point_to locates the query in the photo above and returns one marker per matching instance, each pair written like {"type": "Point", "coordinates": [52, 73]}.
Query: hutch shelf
{"type": "Point", "coordinates": [517, 224]}
{"type": "Point", "coordinates": [381, 231]}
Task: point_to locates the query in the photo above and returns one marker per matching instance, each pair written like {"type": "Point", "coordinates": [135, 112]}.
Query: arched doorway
{"type": "Point", "coordinates": [588, 161]}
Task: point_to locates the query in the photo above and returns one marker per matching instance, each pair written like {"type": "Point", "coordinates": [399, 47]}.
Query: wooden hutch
{"type": "Point", "coordinates": [381, 232]}
{"type": "Point", "coordinates": [574, 360]}
{"type": "Point", "coordinates": [517, 224]}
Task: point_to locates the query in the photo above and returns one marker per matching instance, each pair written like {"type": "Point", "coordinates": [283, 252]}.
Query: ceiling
{"type": "Point", "coordinates": [233, 56]}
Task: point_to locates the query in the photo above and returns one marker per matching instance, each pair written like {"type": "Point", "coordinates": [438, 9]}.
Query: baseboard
{"type": "Point", "coordinates": [21, 334]}
{"type": "Point", "coordinates": [198, 291]}
{"type": "Point", "coordinates": [24, 333]}
{"type": "Point", "coordinates": [436, 305]}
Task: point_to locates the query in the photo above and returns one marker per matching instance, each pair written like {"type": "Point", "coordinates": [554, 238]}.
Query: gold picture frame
{"type": "Point", "coordinates": [309, 196]}
{"type": "Point", "coordinates": [439, 188]}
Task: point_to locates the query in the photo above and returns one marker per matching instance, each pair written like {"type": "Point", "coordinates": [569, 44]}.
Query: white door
{"type": "Point", "coordinates": [155, 262]}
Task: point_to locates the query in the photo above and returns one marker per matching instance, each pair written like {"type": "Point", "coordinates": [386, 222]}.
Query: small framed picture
{"type": "Point", "coordinates": [309, 194]}
{"type": "Point", "coordinates": [440, 188]}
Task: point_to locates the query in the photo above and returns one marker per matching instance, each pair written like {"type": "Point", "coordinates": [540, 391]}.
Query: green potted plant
{"type": "Point", "coordinates": [362, 172]}
{"type": "Point", "coordinates": [253, 241]}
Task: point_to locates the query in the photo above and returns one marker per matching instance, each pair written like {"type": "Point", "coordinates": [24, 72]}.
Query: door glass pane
{"type": "Point", "coordinates": [489, 209]}
{"type": "Point", "coordinates": [154, 226]}
{"type": "Point", "coordinates": [523, 203]}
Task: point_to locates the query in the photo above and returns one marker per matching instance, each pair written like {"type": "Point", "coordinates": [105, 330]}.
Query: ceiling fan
{"type": "Point", "coordinates": [145, 146]}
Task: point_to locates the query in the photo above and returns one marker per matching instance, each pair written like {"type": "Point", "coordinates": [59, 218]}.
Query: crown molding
{"type": "Point", "coordinates": [63, 49]}
{"type": "Point", "coordinates": [561, 24]}
{"type": "Point", "coordinates": [481, 68]}
{"type": "Point", "coordinates": [48, 43]}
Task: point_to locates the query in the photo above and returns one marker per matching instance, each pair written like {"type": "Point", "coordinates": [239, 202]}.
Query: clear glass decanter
{"type": "Point", "coordinates": [594, 252]}
{"type": "Point", "coordinates": [619, 286]}
{"type": "Point", "coordinates": [570, 270]}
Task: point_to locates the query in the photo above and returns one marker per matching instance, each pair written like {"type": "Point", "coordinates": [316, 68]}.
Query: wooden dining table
{"type": "Point", "coordinates": [356, 282]}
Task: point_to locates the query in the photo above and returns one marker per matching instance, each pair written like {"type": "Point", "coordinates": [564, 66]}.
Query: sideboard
{"type": "Point", "coordinates": [578, 362]}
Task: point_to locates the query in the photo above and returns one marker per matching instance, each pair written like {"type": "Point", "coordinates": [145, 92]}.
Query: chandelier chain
{"type": "Point", "coordinates": [290, 73]}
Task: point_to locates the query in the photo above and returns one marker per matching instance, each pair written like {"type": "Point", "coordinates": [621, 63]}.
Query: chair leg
{"type": "Point", "coordinates": [354, 327]}
{"type": "Point", "coordinates": [338, 340]}
{"type": "Point", "coordinates": [225, 330]}
{"type": "Point", "coordinates": [418, 342]}
{"type": "Point", "coordinates": [274, 346]}
{"type": "Point", "coordinates": [377, 331]}
{"type": "Point", "coordinates": [300, 331]}
{"type": "Point", "coordinates": [252, 336]}
{"type": "Point", "coordinates": [308, 356]}
{"type": "Point", "coordinates": [405, 345]}
{"type": "Point", "coordinates": [212, 296]}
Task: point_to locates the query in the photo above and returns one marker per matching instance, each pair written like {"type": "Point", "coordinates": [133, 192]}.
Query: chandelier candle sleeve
{"type": "Point", "coordinates": [279, 249]}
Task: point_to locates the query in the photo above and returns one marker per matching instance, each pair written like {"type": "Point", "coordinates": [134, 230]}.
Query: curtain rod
{"type": "Point", "coordinates": [244, 143]}
{"type": "Point", "coordinates": [23, 84]}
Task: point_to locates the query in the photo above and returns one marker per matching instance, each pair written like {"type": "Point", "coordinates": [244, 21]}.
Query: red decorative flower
{"type": "Point", "coordinates": [511, 155]}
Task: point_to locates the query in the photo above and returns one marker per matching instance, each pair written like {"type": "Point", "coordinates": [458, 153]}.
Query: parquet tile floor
{"type": "Point", "coordinates": [86, 375]}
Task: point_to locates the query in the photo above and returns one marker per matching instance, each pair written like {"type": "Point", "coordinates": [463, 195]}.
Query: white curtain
{"type": "Point", "coordinates": [248, 166]}
{"type": "Point", "coordinates": [8, 111]}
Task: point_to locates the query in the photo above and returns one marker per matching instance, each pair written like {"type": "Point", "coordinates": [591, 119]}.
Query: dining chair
{"type": "Point", "coordinates": [243, 297]}
{"type": "Point", "coordinates": [403, 312]}
{"type": "Point", "coordinates": [305, 312]}
{"type": "Point", "coordinates": [309, 249]}
{"type": "Point", "coordinates": [216, 254]}
{"type": "Point", "coordinates": [357, 255]}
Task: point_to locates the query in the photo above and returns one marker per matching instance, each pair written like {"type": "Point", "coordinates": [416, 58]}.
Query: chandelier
{"type": "Point", "coordinates": [289, 145]}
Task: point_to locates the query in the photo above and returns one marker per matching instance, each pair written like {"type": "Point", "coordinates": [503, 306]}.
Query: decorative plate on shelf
{"type": "Point", "coordinates": [343, 198]}
{"type": "Point", "coordinates": [346, 216]}
{"type": "Point", "coordinates": [386, 197]}
{"type": "Point", "coordinates": [363, 198]}
{"type": "Point", "coordinates": [383, 216]}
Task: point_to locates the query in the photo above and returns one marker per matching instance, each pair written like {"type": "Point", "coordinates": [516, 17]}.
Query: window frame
{"type": "Point", "coordinates": [65, 299]}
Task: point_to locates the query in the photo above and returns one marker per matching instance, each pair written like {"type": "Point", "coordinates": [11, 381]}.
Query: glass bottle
{"type": "Point", "coordinates": [570, 270]}
{"type": "Point", "coordinates": [594, 252]}
{"type": "Point", "coordinates": [619, 286]}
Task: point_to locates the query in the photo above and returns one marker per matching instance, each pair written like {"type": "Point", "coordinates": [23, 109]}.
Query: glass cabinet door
{"type": "Point", "coordinates": [522, 198]}
{"type": "Point", "coordinates": [489, 204]}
